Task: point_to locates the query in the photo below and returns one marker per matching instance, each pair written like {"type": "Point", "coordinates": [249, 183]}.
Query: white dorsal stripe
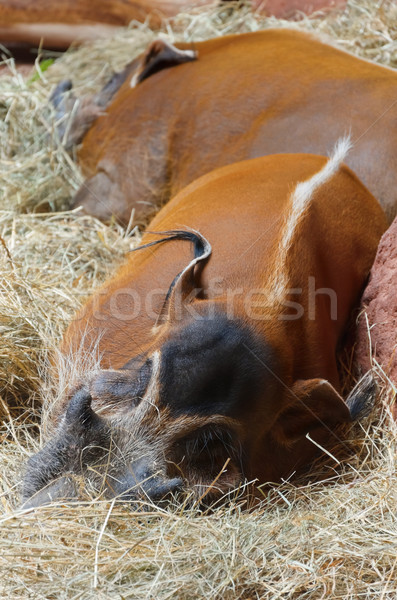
{"type": "Point", "coordinates": [303, 193]}
{"type": "Point", "coordinates": [299, 203]}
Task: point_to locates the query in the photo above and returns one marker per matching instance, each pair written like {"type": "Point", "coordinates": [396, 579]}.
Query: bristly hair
{"type": "Point", "coordinates": [66, 370]}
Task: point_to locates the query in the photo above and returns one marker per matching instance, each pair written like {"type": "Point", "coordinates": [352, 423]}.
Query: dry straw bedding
{"type": "Point", "coordinates": [331, 539]}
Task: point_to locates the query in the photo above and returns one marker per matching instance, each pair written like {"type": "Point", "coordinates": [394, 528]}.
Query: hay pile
{"type": "Point", "coordinates": [333, 539]}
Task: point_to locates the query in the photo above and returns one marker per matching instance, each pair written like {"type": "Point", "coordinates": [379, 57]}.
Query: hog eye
{"type": "Point", "coordinates": [207, 446]}
{"type": "Point", "coordinates": [126, 384]}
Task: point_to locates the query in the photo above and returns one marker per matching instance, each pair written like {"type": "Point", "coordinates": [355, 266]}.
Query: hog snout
{"type": "Point", "coordinates": [141, 481]}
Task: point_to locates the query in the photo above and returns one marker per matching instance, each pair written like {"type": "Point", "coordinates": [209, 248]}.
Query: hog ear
{"type": "Point", "coordinates": [315, 403]}
{"type": "Point", "coordinates": [159, 56]}
{"type": "Point", "coordinates": [72, 125]}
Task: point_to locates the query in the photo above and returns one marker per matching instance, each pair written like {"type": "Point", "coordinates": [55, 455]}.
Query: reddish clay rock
{"type": "Point", "coordinates": [379, 304]}
{"type": "Point", "coordinates": [25, 69]}
{"type": "Point", "coordinates": [290, 9]}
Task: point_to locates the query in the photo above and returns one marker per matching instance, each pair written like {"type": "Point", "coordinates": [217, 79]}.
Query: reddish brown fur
{"type": "Point", "coordinates": [247, 95]}
{"type": "Point", "coordinates": [217, 206]}
{"type": "Point", "coordinates": [59, 23]}
{"type": "Point", "coordinates": [241, 209]}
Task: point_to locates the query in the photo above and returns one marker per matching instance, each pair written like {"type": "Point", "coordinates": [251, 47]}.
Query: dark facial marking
{"type": "Point", "coordinates": [207, 368]}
